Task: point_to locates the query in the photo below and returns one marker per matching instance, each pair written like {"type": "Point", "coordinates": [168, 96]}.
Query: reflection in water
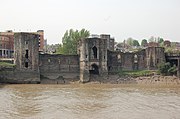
{"type": "Point", "coordinates": [88, 101]}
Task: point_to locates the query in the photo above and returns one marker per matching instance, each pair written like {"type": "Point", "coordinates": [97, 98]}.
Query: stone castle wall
{"type": "Point", "coordinates": [11, 75]}
{"type": "Point", "coordinates": [140, 60]}
{"type": "Point", "coordinates": [94, 59]}
{"type": "Point", "coordinates": [59, 63]}
{"type": "Point", "coordinates": [26, 59]}
{"type": "Point", "coordinates": [59, 67]}
{"type": "Point", "coordinates": [26, 50]}
{"type": "Point", "coordinates": [154, 56]}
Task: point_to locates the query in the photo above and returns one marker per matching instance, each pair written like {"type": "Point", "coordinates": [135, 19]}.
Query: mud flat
{"type": "Point", "coordinates": [145, 80]}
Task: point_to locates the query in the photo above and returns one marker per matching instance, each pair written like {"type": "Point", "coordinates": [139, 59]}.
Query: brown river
{"type": "Point", "coordinates": [89, 101]}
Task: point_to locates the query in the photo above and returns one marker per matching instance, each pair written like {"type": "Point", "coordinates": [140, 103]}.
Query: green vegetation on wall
{"type": "Point", "coordinates": [5, 64]}
{"type": "Point", "coordinates": [167, 69]}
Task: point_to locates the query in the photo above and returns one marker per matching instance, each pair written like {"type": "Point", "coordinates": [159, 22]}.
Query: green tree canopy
{"type": "Point", "coordinates": [160, 40]}
{"type": "Point", "coordinates": [135, 43]}
{"type": "Point", "coordinates": [152, 39]}
{"type": "Point", "coordinates": [129, 41]}
{"type": "Point", "coordinates": [144, 42]}
{"type": "Point", "coordinates": [70, 40]}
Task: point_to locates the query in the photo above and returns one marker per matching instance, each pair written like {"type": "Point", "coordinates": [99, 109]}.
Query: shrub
{"type": "Point", "coordinates": [172, 70]}
{"type": "Point", "coordinates": [166, 69]}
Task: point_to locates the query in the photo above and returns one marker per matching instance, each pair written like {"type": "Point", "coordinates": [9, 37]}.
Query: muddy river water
{"type": "Point", "coordinates": [89, 101]}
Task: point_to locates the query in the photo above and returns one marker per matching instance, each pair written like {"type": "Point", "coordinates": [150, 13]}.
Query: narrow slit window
{"type": "Point", "coordinates": [26, 64]}
{"type": "Point", "coordinates": [95, 52]}
{"type": "Point", "coordinates": [26, 55]}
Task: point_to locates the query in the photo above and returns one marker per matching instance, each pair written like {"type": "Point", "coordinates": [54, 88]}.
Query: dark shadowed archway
{"type": "Point", "coordinates": [95, 69]}
{"type": "Point", "coordinates": [173, 62]}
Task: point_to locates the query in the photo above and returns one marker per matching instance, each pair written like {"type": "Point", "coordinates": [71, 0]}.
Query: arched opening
{"type": "Point", "coordinates": [119, 58]}
{"type": "Point", "coordinates": [135, 58]}
{"type": "Point", "coordinates": [135, 62]}
{"type": "Point", "coordinates": [95, 69]}
{"type": "Point", "coordinates": [173, 62]}
{"type": "Point", "coordinates": [94, 52]}
{"type": "Point", "coordinates": [26, 63]}
{"type": "Point", "coordinates": [26, 56]}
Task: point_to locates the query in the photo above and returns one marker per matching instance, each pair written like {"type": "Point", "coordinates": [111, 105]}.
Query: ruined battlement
{"type": "Point", "coordinates": [94, 59]}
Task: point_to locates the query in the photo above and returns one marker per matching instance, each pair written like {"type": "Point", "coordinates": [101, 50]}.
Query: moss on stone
{"type": "Point", "coordinates": [5, 64]}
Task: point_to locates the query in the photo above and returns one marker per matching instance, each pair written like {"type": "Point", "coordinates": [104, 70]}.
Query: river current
{"type": "Point", "coordinates": [89, 101]}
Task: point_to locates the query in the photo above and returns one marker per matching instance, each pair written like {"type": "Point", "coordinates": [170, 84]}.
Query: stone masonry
{"type": "Point", "coordinates": [26, 56]}
{"type": "Point", "coordinates": [95, 58]}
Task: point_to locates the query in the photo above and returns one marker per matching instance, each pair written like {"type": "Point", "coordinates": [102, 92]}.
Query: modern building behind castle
{"type": "Point", "coordinates": [7, 43]}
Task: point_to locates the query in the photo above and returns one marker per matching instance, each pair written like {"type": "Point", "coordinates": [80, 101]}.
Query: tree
{"type": "Point", "coordinates": [144, 42]}
{"type": "Point", "coordinates": [151, 39]}
{"type": "Point", "coordinates": [160, 40]}
{"type": "Point", "coordinates": [135, 43]}
{"type": "Point", "coordinates": [70, 41]}
{"type": "Point", "coordinates": [130, 41]}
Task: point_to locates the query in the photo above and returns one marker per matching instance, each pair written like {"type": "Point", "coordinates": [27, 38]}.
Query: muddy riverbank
{"type": "Point", "coordinates": [116, 79]}
{"type": "Point", "coordinates": [147, 80]}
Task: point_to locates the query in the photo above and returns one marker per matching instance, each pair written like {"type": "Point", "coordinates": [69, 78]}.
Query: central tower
{"type": "Point", "coordinates": [93, 57]}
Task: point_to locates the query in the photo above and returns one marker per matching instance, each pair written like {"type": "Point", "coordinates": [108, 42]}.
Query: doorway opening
{"type": "Point", "coordinates": [95, 69]}
{"type": "Point", "coordinates": [94, 52]}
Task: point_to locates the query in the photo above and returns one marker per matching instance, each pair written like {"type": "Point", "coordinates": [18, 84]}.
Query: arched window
{"type": "Point", "coordinates": [94, 52]}
{"type": "Point", "coordinates": [119, 58]}
{"type": "Point", "coordinates": [26, 56]}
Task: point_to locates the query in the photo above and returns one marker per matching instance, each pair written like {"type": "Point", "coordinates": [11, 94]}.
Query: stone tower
{"type": "Point", "coordinates": [93, 58]}
{"type": "Point", "coordinates": [26, 56]}
{"type": "Point", "coordinates": [154, 56]}
{"type": "Point", "coordinates": [110, 41]}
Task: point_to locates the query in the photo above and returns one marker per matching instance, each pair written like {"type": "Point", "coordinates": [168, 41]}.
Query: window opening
{"type": "Point", "coordinates": [94, 52]}
{"type": "Point", "coordinates": [26, 55]}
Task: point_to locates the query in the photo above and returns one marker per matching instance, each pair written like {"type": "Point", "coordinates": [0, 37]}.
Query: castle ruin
{"type": "Point", "coordinates": [96, 57]}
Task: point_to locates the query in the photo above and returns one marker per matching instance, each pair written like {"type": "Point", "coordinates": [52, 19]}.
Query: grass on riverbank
{"type": "Point", "coordinates": [137, 73]}
{"type": "Point", "coordinates": [5, 64]}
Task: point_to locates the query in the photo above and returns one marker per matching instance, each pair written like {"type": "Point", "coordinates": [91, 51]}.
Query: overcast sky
{"type": "Point", "coordinates": [121, 18]}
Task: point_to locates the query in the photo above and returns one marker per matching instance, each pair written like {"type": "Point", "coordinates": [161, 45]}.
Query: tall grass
{"type": "Point", "coordinates": [5, 64]}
